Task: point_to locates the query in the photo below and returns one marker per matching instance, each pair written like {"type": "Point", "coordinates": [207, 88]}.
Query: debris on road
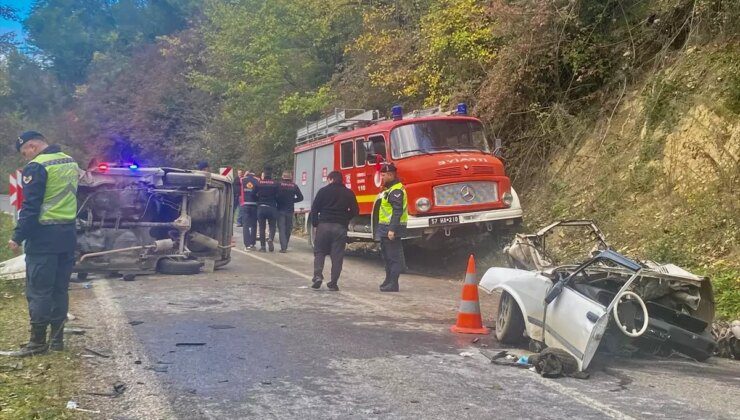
{"type": "Point", "coordinates": [135, 323]}
{"type": "Point", "coordinates": [118, 389]}
{"type": "Point", "coordinates": [74, 330]}
{"type": "Point", "coordinates": [189, 344]}
{"type": "Point", "coordinates": [96, 353]}
{"type": "Point", "coordinates": [72, 405]}
{"type": "Point", "coordinates": [727, 336]}
{"type": "Point", "coordinates": [553, 362]}
{"type": "Point", "coordinates": [221, 327]}
{"type": "Point", "coordinates": [467, 354]}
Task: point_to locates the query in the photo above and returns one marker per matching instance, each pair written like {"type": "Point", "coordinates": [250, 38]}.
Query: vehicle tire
{"type": "Point", "coordinates": [169, 266]}
{"type": "Point", "coordinates": [184, 179]}
{"type": "Point", "coordinates": [81, 276]}
{"type": "Point", "coordinates": [129, 277]}
{"type": "Point", "coordinates": [509, 321]}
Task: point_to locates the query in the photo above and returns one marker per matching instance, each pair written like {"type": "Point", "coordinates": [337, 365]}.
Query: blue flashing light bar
{"type": "Point", "coordinates": [462, 109]}
{"type": "Point", "coordinates": [397, 112]}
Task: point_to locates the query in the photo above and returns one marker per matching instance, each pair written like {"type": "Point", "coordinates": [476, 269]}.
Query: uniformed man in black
{"type": "Point", "coordinates": [249, 221]}
{"type": "Point", "coordinates": [267, 190]}
{"type": "Point", "coordinates": [331, 211]}
{"type": "Point", "coordinates": [46, 227]}
{"type": "Point", "coordinates": [288, 195]}
{"type": "Point", "coordinates": [393, 214]}
{"type": "Point", "coordinates": [237, 189]}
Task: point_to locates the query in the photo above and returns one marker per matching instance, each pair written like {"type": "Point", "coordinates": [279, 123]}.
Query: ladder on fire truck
{"type": "Point", "coordinates": [341, 120]}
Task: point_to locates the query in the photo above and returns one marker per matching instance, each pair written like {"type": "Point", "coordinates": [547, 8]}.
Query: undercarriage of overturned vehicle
{"type": "Point", "coordinates": [168, 222]}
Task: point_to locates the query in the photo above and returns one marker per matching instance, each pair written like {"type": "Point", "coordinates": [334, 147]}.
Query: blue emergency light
{"type": "Point", "coordinates": [397, 112]}
{"type": "Point", "coordinates": [133, 166]}
{"type": "Point", "coordinates": [462, 109]}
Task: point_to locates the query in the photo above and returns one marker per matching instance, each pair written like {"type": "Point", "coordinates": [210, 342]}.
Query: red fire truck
{"type": "Point", "coordinates": [455, 185]}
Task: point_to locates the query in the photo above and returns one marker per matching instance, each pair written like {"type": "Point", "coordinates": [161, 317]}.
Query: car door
{"type": "Point", "coordinates": [575, 324]}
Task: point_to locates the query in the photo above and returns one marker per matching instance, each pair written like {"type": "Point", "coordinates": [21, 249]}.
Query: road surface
{"type": "Point", "coordinates": [253, 341]}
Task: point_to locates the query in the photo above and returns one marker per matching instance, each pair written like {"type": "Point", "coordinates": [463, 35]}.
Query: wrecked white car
{"type": "Point", "coordinates": [608, 302]}
{"type": "Point", "coordinates": [133, 220]}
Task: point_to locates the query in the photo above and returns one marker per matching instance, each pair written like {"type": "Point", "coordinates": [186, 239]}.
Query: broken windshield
{"type": "Point", "coordinates": [434, 136]}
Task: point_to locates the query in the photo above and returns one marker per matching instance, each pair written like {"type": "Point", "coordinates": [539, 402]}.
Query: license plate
{"type": "Point", "coordinates": [444, 220]}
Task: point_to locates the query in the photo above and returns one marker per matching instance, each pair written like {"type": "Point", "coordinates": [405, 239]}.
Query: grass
{"type": "Point", "coordinates": [36, 387]}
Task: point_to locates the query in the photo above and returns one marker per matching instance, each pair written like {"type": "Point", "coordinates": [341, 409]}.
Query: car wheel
{"type": "Point", "coordinates": [509, 322]}
{"type": "Point", "coordinates": [169, 266]}
{"type": "Point", "coordinates": [81, 276]}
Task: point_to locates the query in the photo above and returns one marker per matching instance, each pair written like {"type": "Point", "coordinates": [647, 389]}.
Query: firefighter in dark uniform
{"type": "Point", "coordinates": [47, 226]}
{"type": "Point", "coordinates": [249, 227]}
{"type": "Point", "coordinates": [267, 190]}
{"type": "Point", "coordinates": [288, 195]}
{"type": "Point", "coordinates": [392, 220]}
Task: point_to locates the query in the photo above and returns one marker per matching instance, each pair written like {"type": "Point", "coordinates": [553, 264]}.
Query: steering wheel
{"type": "Point", "coordinates": [628, 295]}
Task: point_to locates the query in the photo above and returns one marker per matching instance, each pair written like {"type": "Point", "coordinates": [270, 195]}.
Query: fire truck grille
{"type": "Point", "coordinates": [466, 193]}
{"type": "Point", "coordinates": [453, 171]}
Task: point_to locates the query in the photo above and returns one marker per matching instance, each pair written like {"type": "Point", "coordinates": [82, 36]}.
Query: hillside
{"type": "Point", "coordinates": [660, 171]}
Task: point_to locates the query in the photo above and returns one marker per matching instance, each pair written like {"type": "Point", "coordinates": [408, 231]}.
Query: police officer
{"type": "Point", "coordinates": [392, 226]}
{"type": "Point", "coordinates": [267, 190]}
{"type": "Point", "coordinates": [288, 195]}
{"type": "Point", "coordinates": [47, 226]}
{"type": "Point", "coordinates": [249, 222]}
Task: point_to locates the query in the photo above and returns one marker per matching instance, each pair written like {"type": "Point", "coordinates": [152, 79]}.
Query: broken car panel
{"type": "Point", "coordinates": [602, 303]}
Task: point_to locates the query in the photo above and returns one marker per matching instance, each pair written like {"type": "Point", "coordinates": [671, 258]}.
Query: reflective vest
{"type": "Point", "coordinates": [386, 209]}
{"type": "Point", "coordinates": [60, 197]}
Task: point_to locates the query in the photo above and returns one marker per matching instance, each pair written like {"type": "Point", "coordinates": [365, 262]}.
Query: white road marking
{"type": "Point", "coordinates": [367, 302]}
{"type": "Point", "coordinates": [148, 395]}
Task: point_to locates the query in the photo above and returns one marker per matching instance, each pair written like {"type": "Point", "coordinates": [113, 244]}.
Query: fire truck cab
{"type": "Point", "coordinates": [455, 185]}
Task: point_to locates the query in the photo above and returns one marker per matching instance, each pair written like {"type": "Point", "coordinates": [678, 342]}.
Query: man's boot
{"type": "Point", "coordinates": [390, 287]}
{"type": "Point", "coordinates": [36, 345]}
{"type": "Point", "coordinates": [56, 337]}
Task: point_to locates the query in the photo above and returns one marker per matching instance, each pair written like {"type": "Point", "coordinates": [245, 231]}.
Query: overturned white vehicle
{"type": "Point", "coordinates": [134, 220]}
{"type": "Point", "coordinates": [608, 302]}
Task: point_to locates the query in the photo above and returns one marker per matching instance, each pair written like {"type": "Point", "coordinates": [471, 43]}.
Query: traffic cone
{"type": "Point", "coordinates": [468, 317]}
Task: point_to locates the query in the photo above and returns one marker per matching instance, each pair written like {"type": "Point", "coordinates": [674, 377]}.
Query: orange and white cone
{"type": "Point", "coordinates": [469, 320]}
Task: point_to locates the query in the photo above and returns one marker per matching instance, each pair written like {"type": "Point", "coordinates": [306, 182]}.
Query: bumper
{"type": "Point", "coordinates": [509, 214]}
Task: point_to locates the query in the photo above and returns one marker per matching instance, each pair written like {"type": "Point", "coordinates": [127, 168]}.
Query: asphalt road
{"type": "Point", "coordinates": [253, 341]}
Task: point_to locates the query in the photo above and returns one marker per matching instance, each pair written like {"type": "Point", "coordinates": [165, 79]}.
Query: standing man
{"type": "Point", "coordinates": [249, 215]}
{"type": "Point", "coordinates": [392, 226]}
{"type": "Point", "coordinates": [267, 191]}
{"type": "Point", "coordinates": [332, 209]}
{"type": "Point", "coordinates": [47, 225]}
{"type": "Point", "coordinates": [238, 197]}
{"type": "Point", "coordinates": [288, 195]}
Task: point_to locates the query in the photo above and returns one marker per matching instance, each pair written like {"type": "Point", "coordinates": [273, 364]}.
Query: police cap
{"type": "Point", "coordinates": [388, 167]}
{"type": "Point", "coordinates": [27, 136]}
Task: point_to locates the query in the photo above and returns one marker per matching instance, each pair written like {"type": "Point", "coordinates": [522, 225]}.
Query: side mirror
{"type": "Point", "coordinates": [554, 292]}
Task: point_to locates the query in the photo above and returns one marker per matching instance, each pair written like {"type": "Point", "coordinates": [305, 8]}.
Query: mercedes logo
{"type": "Point", "coordinates": [468, 193]}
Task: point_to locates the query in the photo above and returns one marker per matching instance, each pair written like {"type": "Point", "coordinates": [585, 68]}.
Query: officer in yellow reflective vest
{"type": "Point", "coordinates": [47, 226]}
{"type": "Point", "coordinates": [392, 218]}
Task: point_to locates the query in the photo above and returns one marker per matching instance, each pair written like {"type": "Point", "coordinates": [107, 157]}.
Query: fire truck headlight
{"type": "Point", "coordinates": [423, 204]}
{"type": "Point", "coordinates": [507, 199]}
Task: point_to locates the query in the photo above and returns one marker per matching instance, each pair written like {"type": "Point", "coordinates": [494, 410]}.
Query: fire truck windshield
{"type": "Point", "coordinates": [436, 136]}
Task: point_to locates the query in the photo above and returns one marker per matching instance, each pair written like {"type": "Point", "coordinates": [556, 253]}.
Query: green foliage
{"type": "Point", "coordinates": [726, 285]}
{"type": "Point", "coordinates": [69, 32]}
